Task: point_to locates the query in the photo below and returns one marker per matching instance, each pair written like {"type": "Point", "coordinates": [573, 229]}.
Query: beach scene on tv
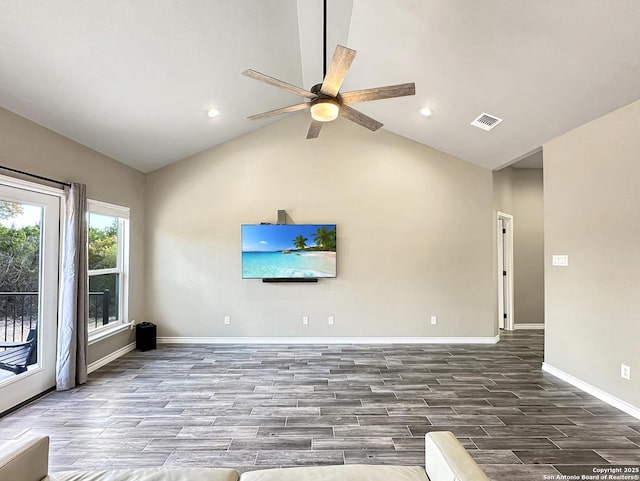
{"type": "Point", "coordinates": [288, 251]}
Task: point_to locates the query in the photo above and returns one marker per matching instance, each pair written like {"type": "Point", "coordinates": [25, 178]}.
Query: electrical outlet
{"type": "Point", "coordinates": [434, 320]}
{"type": "Point", "coordinates": [625, 372]}
{"type": "Point", "coordinates": [305, 320]}
{"type": "Point", "coordinates": [227, 320]}
{"type": "Point", "coordinates": [331, 320]}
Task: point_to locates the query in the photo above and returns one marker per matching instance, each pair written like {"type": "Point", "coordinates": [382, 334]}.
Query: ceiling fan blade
{"type": "Point", "coordinates": [279, 83]}
{"type": "Point", "coordinates": [378, 93]}
{"type": "Point", "coordinates": [359, 118]}
{"type": "Point", "coordinates": [314, 129]}
{"type": "Point", "coordinates": [340, 63]}
{"type": "Point", "coordinates": [283, 110]}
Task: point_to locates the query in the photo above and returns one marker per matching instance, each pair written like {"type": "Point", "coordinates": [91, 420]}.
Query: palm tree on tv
{"type": "Point", "coordinates": [300, 242]}
{"type": "Point", "coordinates": [325, 239]}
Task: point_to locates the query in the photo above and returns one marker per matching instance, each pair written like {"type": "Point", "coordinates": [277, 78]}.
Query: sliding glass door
{"type": "Point", "coordinates": [29, 251]}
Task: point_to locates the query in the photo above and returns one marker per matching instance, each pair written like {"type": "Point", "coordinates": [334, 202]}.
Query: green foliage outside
{"type": "Point", "coordinates": [103, 247]}
{"type": "Point", "coordinates": [103, 254]}
{"type": "Point", "coordinates": [19, 252]}
{"type": "Point", "coordinates": [19, 258]}
{"type": "Point", "coordinates": [19, 272]}
{"type": "Point", "coordinates": [9, 210]}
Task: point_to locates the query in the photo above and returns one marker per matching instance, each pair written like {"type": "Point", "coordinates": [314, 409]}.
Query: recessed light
{"type": "Point", "coordinates": [212, 113]}
{"type": "Point", "coordinates": [426, 112]}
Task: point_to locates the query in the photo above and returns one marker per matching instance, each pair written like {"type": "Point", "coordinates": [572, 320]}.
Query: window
{"type": "Point", "coordinates": [108, 239]}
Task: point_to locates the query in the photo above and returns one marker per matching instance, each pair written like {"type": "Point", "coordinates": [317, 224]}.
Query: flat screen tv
{"type": "Point", "coordinates": [288, 251]}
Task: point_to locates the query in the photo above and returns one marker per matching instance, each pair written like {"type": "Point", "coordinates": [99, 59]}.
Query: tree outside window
{"type": "Point", "coordinates": [107, 265]}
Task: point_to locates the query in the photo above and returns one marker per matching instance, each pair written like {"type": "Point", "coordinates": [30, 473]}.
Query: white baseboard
{"type": "Point", "coordinates": [518, 327]}
{"type": "Point", "coordinates": [328, 340]}
{"type": "Point", "coordinates": [594, 391]}
{"type": "Point", "coordinates": [111, 357]}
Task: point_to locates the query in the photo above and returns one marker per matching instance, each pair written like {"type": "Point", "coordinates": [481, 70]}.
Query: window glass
{"type": "Point", "coordinates": [108, 265]}
{"type": "Point", "coordinates": [103, 241]}
{"type": "Point", "coordinates": [104, 293]}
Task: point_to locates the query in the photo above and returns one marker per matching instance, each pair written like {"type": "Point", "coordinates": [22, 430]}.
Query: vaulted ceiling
{"type": "Point", "coordinates": [134, 79]}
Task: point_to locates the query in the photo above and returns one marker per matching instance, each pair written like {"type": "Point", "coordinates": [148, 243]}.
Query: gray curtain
{"type": "Point", "coordinates": [71, 364]}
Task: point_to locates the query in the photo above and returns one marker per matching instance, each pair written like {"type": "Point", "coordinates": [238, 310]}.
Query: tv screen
{"type": "Point", "coordinates": [288, 251]}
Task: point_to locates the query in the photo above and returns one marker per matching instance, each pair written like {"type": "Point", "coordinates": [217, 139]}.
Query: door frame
{"type": "Point", "coordinates": [505, 264]}
{"type": "Point", "coordinates": [37, 378]}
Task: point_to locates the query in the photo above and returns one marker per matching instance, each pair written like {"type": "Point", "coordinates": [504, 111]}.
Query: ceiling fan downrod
{"type": "Point", "coordinates": [324, 37]}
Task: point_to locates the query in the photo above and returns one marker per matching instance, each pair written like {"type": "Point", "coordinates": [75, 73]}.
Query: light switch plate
{"type": "Point", "coordinates": [560, 260]}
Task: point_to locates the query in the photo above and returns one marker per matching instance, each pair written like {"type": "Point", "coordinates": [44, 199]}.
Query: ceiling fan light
{"type": "Point", "coordinates": [325, 110]}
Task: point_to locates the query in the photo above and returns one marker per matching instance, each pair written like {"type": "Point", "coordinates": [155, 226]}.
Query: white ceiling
{"type": "Point", "coordinates": [133, 79]}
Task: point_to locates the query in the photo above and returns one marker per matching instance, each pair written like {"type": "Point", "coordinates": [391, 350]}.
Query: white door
{"type": "Point", "coordinates": [505, 271]}
{"type": "Point", "coordinates": [29, 251]}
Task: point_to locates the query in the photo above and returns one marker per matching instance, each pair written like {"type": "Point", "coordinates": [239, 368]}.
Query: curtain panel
{"type": "Point", "coordinates": [71, 364]}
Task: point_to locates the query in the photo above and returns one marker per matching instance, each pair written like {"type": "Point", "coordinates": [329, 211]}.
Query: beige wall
{"type": "Point", "coordinates": [503, 190]}
{"type": "Point", "coordinates": [32, 148]}
{"type": "Point", "coordinates": [414, 237]}
{"type": "Point", "coordinates": [592, 211]}
{"type": "Point", "coordinates": [528, 246]}
{"type": "Point", "coordinates": [519, 192]}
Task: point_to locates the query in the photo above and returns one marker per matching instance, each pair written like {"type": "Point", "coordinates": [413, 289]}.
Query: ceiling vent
{"type": "Point", "coordinates": [486, 121]}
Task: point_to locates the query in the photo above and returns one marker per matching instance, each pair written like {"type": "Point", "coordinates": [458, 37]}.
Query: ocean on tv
{"type": "Point", "coordinates": [288, 251]}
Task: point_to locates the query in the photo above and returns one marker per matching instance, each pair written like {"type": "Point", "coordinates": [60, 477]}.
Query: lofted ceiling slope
{"type": "Point", "coordinates": [134, 80]}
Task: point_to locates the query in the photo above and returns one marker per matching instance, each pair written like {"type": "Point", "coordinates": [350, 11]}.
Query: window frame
{"type": "Point", "coordinates": [122, 266]}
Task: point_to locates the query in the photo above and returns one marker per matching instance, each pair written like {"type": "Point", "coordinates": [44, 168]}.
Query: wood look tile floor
{"type": "Point", "coordinates": [258, 406]}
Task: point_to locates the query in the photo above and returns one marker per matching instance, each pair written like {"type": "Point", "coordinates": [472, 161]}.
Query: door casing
{"type": "Point", "coordinates": [505, 264]}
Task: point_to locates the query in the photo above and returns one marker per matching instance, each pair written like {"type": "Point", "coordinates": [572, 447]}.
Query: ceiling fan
{"type": "Point", "coordinates": [325, 100]}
